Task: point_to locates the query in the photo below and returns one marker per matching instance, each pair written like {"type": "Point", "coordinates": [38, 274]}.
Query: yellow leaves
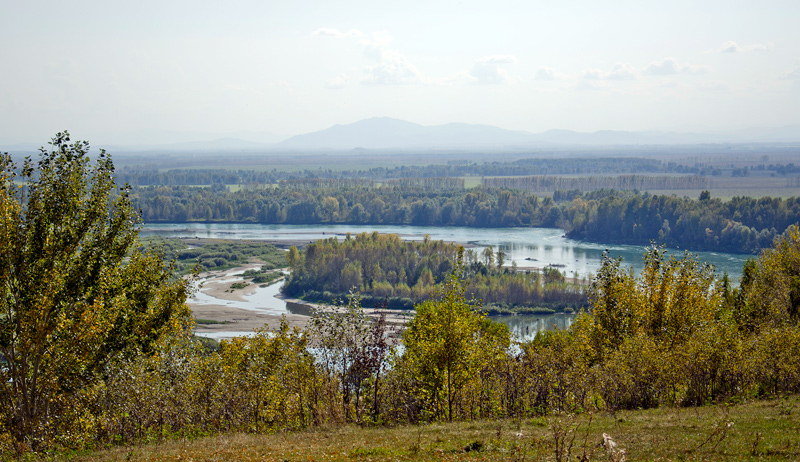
{"type": "Point", "coordinates": [771, 286]}
{"type": "Point", "coordinates": [672, 298]}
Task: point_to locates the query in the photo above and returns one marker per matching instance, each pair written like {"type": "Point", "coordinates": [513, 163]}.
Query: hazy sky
{"type": "Point", "coordinates": [104, 69]}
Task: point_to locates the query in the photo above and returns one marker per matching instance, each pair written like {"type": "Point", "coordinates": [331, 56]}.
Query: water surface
{"type": "Point", "coordinates": [532, 247]}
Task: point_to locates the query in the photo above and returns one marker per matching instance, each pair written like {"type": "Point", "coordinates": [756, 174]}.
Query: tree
{"type": "Point", "coordinates": [501, 259]}
{"type": "Point", "coordinates": [671, 299]}
{"type": "Point", "coordinates": [770, 285]}
{"type": "Point", "coordinates": [352, 347]}
{"type": "Point", "coordinates": [445, 342]}
{"type": "Point", "coordinates": [76, 289]}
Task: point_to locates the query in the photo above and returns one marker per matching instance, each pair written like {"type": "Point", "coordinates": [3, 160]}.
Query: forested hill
{"type": "Point", "coordinates": [742, 225]}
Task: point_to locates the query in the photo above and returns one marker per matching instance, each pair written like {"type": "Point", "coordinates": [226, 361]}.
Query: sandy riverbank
{"type": "Point", "coordinates": [229, 321]}
{"type": "Point", "coordinates": [217, 285]}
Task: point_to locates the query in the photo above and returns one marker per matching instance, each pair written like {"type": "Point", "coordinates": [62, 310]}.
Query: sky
{"type": "Point", "coordinates": [164, 71]}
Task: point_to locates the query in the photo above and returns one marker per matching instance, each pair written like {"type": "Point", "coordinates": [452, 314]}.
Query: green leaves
{"type": "Point", "coordinates": [447, 342]}
{"type": "Point", "coordinates": [74, 294]}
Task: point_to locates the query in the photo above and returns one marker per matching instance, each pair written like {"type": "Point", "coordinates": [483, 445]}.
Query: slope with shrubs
{"type": "Point", "coordinates": [674, 336]}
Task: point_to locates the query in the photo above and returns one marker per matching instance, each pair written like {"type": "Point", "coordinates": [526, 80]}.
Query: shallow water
{"type": "Point", "coordinates": [533, 247]}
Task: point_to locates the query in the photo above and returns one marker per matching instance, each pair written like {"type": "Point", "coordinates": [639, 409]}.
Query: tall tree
{"type": "Point", "coordinates": [76, 290]}
{"type": "Point", "coordinates": [445, 342]}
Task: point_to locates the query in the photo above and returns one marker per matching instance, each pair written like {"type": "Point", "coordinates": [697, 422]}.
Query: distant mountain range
{"type": "Point", "coordinates": [380, 133]}
{"type": "Point", "coordinates": [387, 133]}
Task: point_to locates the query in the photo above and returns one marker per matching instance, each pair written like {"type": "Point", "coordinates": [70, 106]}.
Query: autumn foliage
{"type": "Point", "coordinates": [96, 349]}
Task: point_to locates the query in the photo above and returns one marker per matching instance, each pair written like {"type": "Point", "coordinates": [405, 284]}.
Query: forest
{"type": "Point", "coordinates": [387, 271]}
{"type": "Point", "coordinates": [138, 175]}
{"type": "Point", "coordinates": [156, 175]}
{"type": "Point", "coordinates": [739, 225]}
{"type": "Point", "coordinates": [97, 345]}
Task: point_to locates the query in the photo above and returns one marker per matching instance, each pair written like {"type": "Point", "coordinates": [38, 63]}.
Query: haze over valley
{"type": "Point", "coordinates": [422, 230]}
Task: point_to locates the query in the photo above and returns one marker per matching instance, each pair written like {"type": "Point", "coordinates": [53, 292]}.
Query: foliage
{"type": "Point", "coordinates": [384, 267]}
{"type": "Point", "coordinates": [669, 301]}
{"type": "Point", "coordinates": [77, 294]}
{"type": "Point", "coordinates": [353, 350]}
{"type": "Point", "coordinates": [254, 178]}
{"type": "Point", "coordinates": [88, 315]}
{"type": "Point", "coordinates": [259, 383]}
{"type": "Point", "coordinates": [447, 342]}
{"type": "Point", "coordinates": [743, 224]}
{"type": "Point", "coordinates": [220, 254]}
{"type": "Point", "coordinates": [771, 286]}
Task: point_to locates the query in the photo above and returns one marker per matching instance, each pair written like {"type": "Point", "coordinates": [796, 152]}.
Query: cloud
{"type": "Point", "coordinates": [330, 32]}
{"type": "Point", "coordinates": [791, 75]}
{"type": "Point", "coordinates": [732, 47]}
{"type": "Point", "coordinates": [621, 71]}
{"type": "Point", "coordinates": [338, 82]}
{"type": "Point", "coordinates": [670, 66]}
{"type": "Point", "coordinates": [376, 45]}
{"type": "Point", "coordinates": [393, 68]}
{"type": "Point", "coordinates": [592, 74]}
{"type": "Point", "coordinates": [487, 69]}
{"type": "Point", "coordinates": [546, 73]}
{"type": "Point", "coordinates": [667, 66]}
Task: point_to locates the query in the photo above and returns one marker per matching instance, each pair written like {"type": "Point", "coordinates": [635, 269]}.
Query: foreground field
{"type": "Point", "coordinates": [757, 430]}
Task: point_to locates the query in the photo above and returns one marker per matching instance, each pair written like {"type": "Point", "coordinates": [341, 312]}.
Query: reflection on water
{"type": "Point", "coordinates": [528, 247]}
{"type": "Point", "coordinates": [221, 334]}
{"type": "Point", "coordinates": [526, 326]}
{"type": "Point", "coordinates": [537, 247]}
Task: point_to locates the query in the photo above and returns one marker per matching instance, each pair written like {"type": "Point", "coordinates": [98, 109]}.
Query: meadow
{"type": "Point", "coordinates": [751, 430]}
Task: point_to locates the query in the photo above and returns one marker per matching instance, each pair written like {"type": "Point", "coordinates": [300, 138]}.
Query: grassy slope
{"type": "Point", "coordinates": [758, 430]}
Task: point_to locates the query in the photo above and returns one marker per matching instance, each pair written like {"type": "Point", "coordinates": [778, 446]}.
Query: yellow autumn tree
{"type": "Point", "coordinates": [446, 343]}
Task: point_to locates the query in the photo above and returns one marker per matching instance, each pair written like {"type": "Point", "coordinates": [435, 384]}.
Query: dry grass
{"type": "Point", "coordinates": [758, 430]}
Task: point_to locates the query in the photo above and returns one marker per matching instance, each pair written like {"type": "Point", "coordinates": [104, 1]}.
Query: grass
{"type": "Point", "coordinates": [756, 430]}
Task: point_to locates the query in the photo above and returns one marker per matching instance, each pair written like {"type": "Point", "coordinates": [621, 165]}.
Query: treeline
{"type": "Point", "coordinates": [592, 183]}
{"type": "Point", "coordinates": [540, 166]}
{"type": "Point", "coordinates": [426, 183]}
{"type": "Point", "coordinates": [674, 336]}
{"type": "Point", "coordinates": [742, 224]}
{"type": "Point", "coordinates": [364, 204]}
{"type": "Point", "coordinates": [382, 267]}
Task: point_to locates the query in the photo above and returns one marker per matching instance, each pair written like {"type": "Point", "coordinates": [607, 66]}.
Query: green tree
{"type": "Point", "coordinates": [444, 343]}
{"type": "Point", "coordinates": [770, 285]}
{"type": "Point", "coordinates": [76, 289]}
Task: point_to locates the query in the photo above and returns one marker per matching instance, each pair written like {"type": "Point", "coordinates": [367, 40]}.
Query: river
{"type": "Point", "coordinates": [528, 247]}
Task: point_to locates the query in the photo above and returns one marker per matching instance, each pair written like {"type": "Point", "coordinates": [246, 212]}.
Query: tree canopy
{"type": "Point", "coordinates": [76, 291]}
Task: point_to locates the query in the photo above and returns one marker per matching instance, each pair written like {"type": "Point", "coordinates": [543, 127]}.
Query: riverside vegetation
{"type": "Point", "coordinates": [739, 225]}
{"type": "Point", "coordinates": [97, 347]}
{"type": "Point", "coordinates": [397, 274]}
